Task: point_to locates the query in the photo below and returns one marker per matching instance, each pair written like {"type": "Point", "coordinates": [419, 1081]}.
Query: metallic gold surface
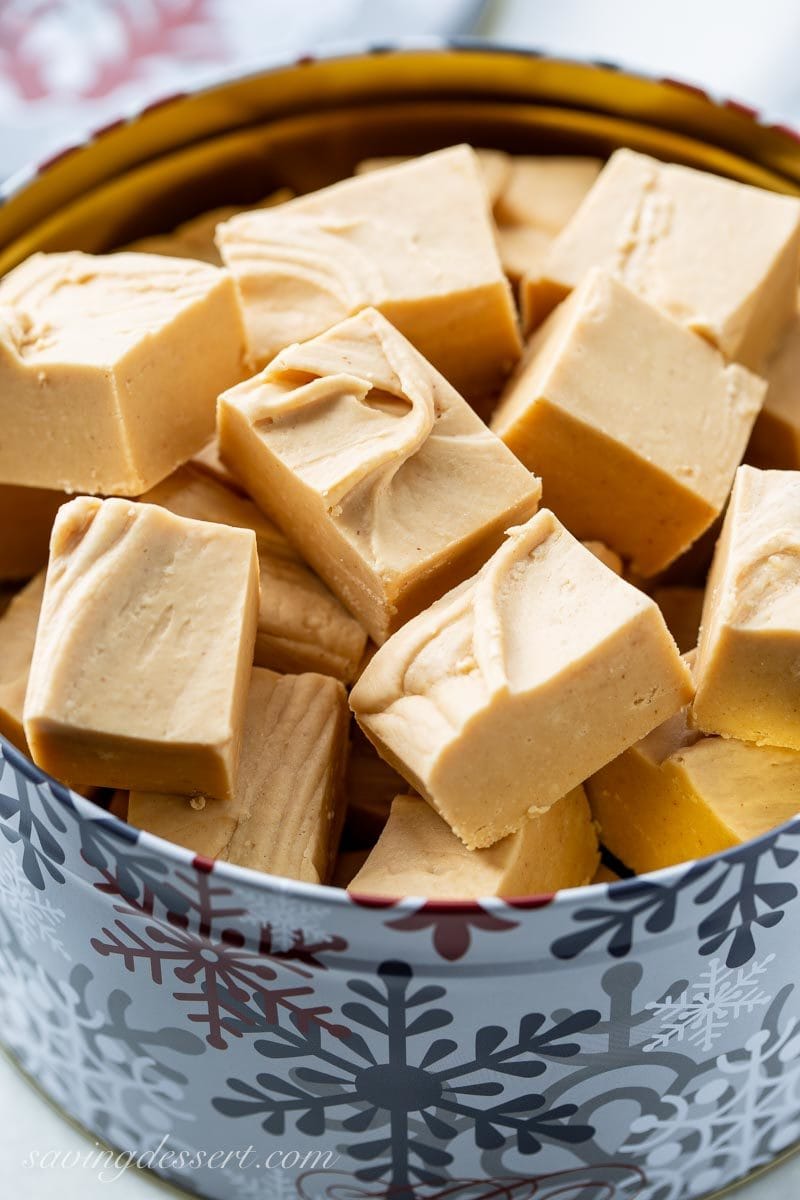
{"type": "Point", "coordinates": [306, 125]}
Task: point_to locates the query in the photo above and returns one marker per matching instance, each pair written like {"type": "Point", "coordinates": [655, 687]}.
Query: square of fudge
{"type": "Point", "coordinates": [301, 624]}
{"type": "Point", "coordinates": [520, 683]}
{"type": "Point", "coordinates": [143, 650]}
{"type": "Point", "coordinates": [26, 521]}
{"type": "Point", "coordinates": [676, 795]}
{"type": "Point", "coordinates": [287, 809]}
{"type": "Point", "coordinates": [718, 256]}
{"type": "Point", "coordinates": [415, 241]}
{"type": "Point", "coordinates": [417, 854]}
{"type": "Point", "coordinates": [635, 424]}
{"type": "Point", "coordinates": [375, 467]}
{"type": "Point", "coordinates": [748, 656]}
{"type": "Point", "coordinates": [110, 367]}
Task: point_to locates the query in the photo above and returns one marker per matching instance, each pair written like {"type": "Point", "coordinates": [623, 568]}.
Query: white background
{"type": "Point", "coordinates": [741, 49]}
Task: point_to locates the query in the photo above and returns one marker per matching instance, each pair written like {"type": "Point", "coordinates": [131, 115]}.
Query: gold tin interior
{"type": "Point", "coordinates": [307, 124]}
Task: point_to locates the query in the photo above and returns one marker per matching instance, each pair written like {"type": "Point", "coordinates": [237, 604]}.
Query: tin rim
{"type": "Point", "coordinates": [16, 184]}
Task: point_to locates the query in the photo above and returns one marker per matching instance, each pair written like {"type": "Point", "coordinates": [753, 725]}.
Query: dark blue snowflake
{"type": "Point", "coordinates": [29, 816]}
{"type": "Point", "coordinates": [416, 1102]}
{"type": "Point", "coordinates": [745, 903]}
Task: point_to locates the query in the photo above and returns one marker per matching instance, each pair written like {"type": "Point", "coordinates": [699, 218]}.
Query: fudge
{"type": "Point", "coordinates": [604, 874]}
{"type": "Point", "coordinates": [26, 519]}
{"type": "Point", "coordinates": [775, 441]}
{"type": "Point", "coordinates": [495, 168]}
{"type": "Point", "coordinates": [286, 811]}
{"type": "Point", "coordinates": [718, 256]}
{"type": "Point", "coordinates": [520, 683]}
{"type": "Point", "coordinates": [607, 556]}
{"type": "Point", "coordinates": [635, 425]}
{"type": "Point", "coordinates": [301, 625]}
{"type": "Point", "coordinates": [208, 459]}
{"type": "Point", "coordinates": [545, 191]}
{"type": "Point", "coordinates": [119, 804]}
{"type": "Point", "coordinates": [677, 796]}
{"type": "Point", "coordinates": [683, 609]}
{"type": "Point", "coordinates": [195, 238]}
{"type": "Point", "coordinates": [102, 385]}
{"type": "Point", "coordinates": [371, 785]}
{"type": "Point", "coordinates": [379, 472]}
{"type": "Point", "coordinates": [17, 637]}
{"type": "Point", "coordinates": [748, 657]}
{"type": "Point", "coordinates": [418, 855]}
{"type": "Point", "coordinates": [144, 650]}
{"type": "Point", "coordinates": [415, 241]}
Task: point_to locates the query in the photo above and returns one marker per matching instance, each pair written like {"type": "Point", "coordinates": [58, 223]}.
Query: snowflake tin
{"type": "Point", "coordinates": [251, 1036]}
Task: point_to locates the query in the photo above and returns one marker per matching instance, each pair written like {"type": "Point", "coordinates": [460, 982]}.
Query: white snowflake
{"type": "Point", "coordinates": [701, 1012]}
{"type": "Point", "coordinates": [727, 1124]}
{"type": "Point", "coordinates": [288, 919]}
{"type": "Point", "coordinates": [27, 912]}
{"type": "Point", "coordinates": [84, 1064]}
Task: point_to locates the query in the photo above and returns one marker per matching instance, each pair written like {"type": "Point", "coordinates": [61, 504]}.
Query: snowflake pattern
{"type": "Point", "coordinates": [27, 911]}
{"type": "Point", "coordinates": [209, 962]}
{"type": "Point", "coordinates": [744, 903]}
{"type": "Point", "coordinates": [701, 1011]}
{"type": "Point", "coordinates": [413, 1107]}
{"type": "Point", "coordinates": [93, 1063]}
{"type": "Point", "coordinates": [724, 1126]}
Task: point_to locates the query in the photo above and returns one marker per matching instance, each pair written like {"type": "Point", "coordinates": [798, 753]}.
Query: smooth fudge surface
{"type": "Point", "coordinates": [286, 811]}
{"type": "Point", "coordinates": [26, 521]}
{"type": "Point", "coordinates": [748, 663]}
{"type": "Point", "coordinates": [415, 241]}
{"type": "Point", "coordinates": [676, 796]}
{"type": "Point", "coordinates": [520, 683]}
{"type": "Point", "coordinates": [102, 385]}
{"type": "Point", "coordinates": [417, 854]}
{"type": "Point", "coordinates": [775, 442]}
{"type": "Point", "coordinates": [379, 472]}
{"type": "Point", "coordinates": [718, 256]}
{"type": "Point", "coordinates": [494, 165]}
{"type": "Point", "coordinates": [301, 624]}
{"type": "Point", "coordinates": [635, 424]}
{"type": "Point", "coordinates": [144, 650]}
{"type": "Point", "coordinates": [545, 191]}
{"type": "Point", "coordinates": [18, 626]}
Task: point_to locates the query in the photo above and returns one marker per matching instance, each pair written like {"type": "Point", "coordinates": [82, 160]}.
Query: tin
{"type": "Point", "coordinates": [246, 1036]}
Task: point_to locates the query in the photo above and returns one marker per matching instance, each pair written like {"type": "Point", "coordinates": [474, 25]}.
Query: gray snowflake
{"type": "Point", "coordinates": [26, 910]}
{"type": "Point", "coordinates": [701, 1011]}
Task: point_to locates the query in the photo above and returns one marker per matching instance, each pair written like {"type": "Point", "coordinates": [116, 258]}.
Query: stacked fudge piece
{"type": "Point", "coordinates": [283, 490]}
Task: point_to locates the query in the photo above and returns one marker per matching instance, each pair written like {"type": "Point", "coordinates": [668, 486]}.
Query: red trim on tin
{"type": "Point", "coordinates": [692, 88]}
{"type": "Point", "coordinates": [364, 900]}
{"type": "Point", "coordinates": [52, 159]}
{"type": "Point", "coordinates": [737, 106]}
{"type": "Point", "coordinates": [203, 864]}
{"type": "Point", "coordinates": [794, 134]}
{"type": "Point", "coordinates": [109, 127]}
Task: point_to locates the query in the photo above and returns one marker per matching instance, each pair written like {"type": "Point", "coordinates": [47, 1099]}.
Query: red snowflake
{"type": "Point", "coordinates": [204, 950]}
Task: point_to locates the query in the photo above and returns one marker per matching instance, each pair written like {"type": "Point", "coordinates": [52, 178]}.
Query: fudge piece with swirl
{"type": "Point", "coordinates": [375, 467]}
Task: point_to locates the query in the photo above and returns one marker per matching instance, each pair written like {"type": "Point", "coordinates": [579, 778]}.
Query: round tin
{"type": "Point", "coordinates": [250, 1036]}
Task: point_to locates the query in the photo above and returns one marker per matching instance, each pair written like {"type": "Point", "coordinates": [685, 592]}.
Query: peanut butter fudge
{"type": "Point", "coordinates": [718, 256]}
{"type": "Point", "coordinates": [676, 796]}
{"type": "Point", "coordinates": [682, 608]}
{"type": "Point", "coordinates": [748, 661]}
{"type": "Point", "coordinates": [301, 625]}
{"type": "Point", "coordinates": [103, 387]}
{"type": "Point", "coordinates": [381, 474]}
{"type": "Point", "coordinates": [195, 238]}
{"type": "Point", "coordinates": [520, 683]}
{"type": "Point", "coordinates": [208, 460]}
{"type": "Point", "coordinates": [144, 650]}
{"type": "Point", "coordinates": [635, 425]}
{"type": "Point", "coordinates": [607, 556]}
{"type": "Point", "coordinates": [26, 519]}
{"type": "Point", "coordinates": [419, 855]}
{"type": "Point", "coordinates": [495, 169]}
{"type": "Point", "coordinates": [545, 191]}
{"type": "Point", "coordinates": [17, 637]}
{"type": "Point", "coordinates": [776, 434]}
{"type": "Point", "coordinates": [286, 811]}
{"type": "Point", "coordinates": [371, 786]}
{"type": "Point", "coordinates": [415, 241]}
